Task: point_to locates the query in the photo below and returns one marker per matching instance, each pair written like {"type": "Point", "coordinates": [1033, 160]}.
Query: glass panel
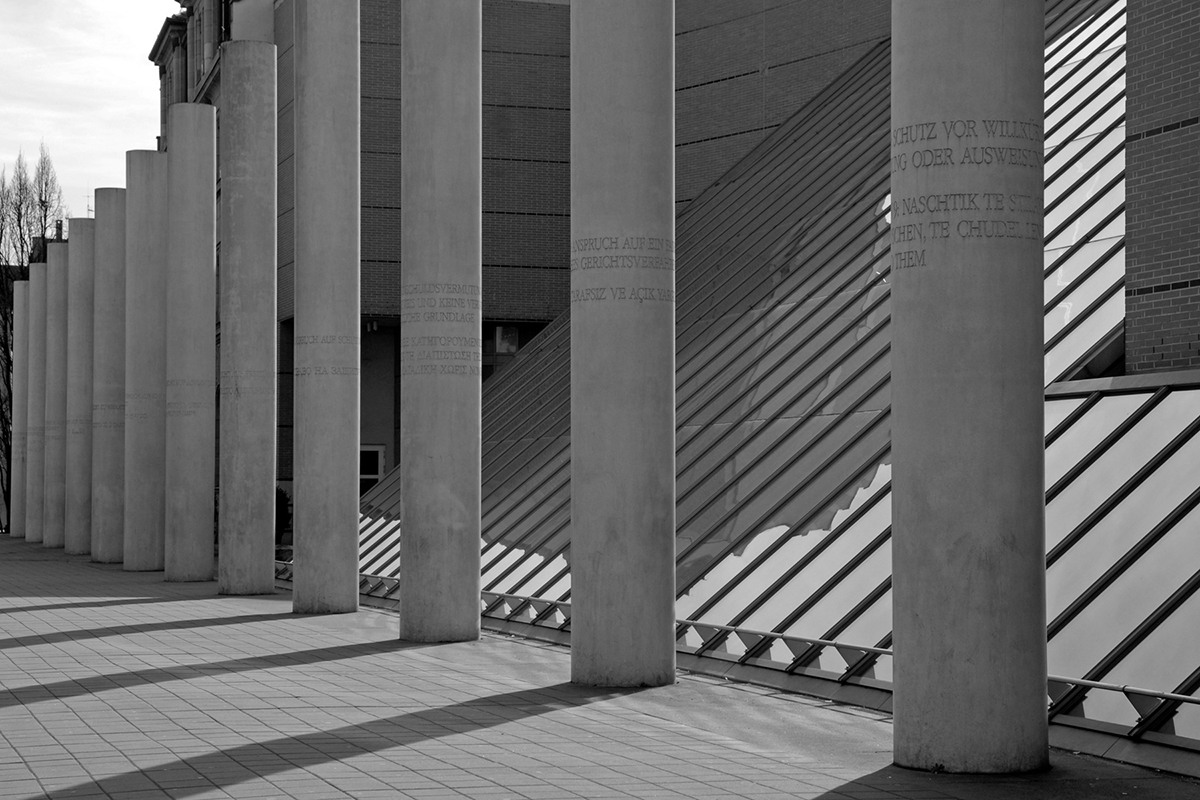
{"type": "Point", "coordinates": [1089, 333]}
{"type": "Point", "coordinates": [729, 396]}
{"type": "Point", "coordinates": [1108, 108]}
{"type": "Point", "coordinates": [1081, 194]}
{"type": "Point", "coordinates": [1099, 282]}
{"type": "Point", "coordinates": [1098, 26]}
{"type": "Point", "coordinates": [848, 593]}
{"type": "Point", "coordinates": [1125, 604]}
{"type": "Point", "coordinates": [1187, 720]}
{"type": "Point", "coordinates": [737, 474]}
{"type": "Point", "coordinates": [748, 508]}
{"type": "Point", "coordinates": [874, 623]}
{"type": "Point", "coordinates": [1076, 264]}
{"type": "Point", "coordinates": [1077, 441]}
{"type": "Point", "coordinates": [798, 589]}
{"type": "Point", "coordinates": [1115, 228]}
{"type": "Point", "coordinates": [1092, 216]}
{"type": "Point", "coordinates": [792, 551]}
{"type": "Point", "coordinates": [1123, 527]}
{"type": "Point", "coordinates": [1126, 456]}
{"type": "Point", "coordinates": [1059, 409]}
{"type": "Point", "coordinates": [1103, 148]}
{"type": "Point", "coordinates": [1089, 75]}
{"type": "Point", "coordinates": [532, 510]}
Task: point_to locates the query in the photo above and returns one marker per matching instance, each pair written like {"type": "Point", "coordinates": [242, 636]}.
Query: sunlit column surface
{"type": "Point", "coordinates": [622, 343]}
{"type": "Point", "coordinates": [35, 462]}
{"type": "Point", "coordinates": [191, 351]}
{"type": "Point", "coordinates": [440, 355]}
{"type": "Point", "coordinates": [80, 282]}
{"type": "Point", "coordinates": [327, 329]}
{"type": "Point", "coordinates": [248, 319]}
{"type": "Point", "coordinates": [108, 380]}
{"type": "Point", "coordinates": [20, 406]}
{"type": "Point", "coordinates": [145, 357]}
{"type": "Point", "coordinates": [55, 501]}
{"type": "Point", "coordinates": [968, 543]}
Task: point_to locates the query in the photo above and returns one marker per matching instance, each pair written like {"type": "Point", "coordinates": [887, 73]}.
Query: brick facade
{"type": "Point", "coordinates": [1162, 289]}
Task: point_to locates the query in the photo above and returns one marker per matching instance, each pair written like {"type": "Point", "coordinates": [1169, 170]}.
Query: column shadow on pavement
{"type": "Point", "coordinates": [57, 637]}
{"type": "Point", "coordinates": [1070, 778]}
{"type": "Point", "coordinates": [96, 604]}
{"type": "Point", "coordinates": [228, 767]}
{"type": "Point", "coordinates": [64, 690]}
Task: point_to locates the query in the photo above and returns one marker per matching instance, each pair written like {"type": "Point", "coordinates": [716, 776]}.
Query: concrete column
{"type": "Point", "coordinates": [441, 237]}
{"type": "Point", "coordinates": [35, 460]}
{"type": "Point", "coordinates": [325, 448]}
{"type": "Point", "coordinates": [253, 20]}
{"type": "Point", "coordinates": [55, 500]}
{"type": "Point", "coordinates": [108, 380]}
{"type": "Point", "coordinates": [191, 346]}
{"type": "Point", "coordinates": [622, 343]}
{"type": "Point", "coordinates": [80, 284]}
{"type": "Point", "coordinates": [20, 407]}
{"type": "Point", "coordinates": [968, 546]}
{"type": "Point", "coordinates": [248, 318]}
{"type": "Point", "coordinates": [145, 358]}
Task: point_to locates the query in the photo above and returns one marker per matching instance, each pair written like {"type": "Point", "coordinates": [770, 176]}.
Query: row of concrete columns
{"type": "Point", "coordinates": [115, 355]}
{"type": "Point", "coordinates": [968, 522]}
{"type": "Point", "coordinates": [969, 600]}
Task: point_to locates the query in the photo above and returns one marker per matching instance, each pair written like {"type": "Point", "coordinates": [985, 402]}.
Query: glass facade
{"type": "Point", "coordinates": [783, 429]}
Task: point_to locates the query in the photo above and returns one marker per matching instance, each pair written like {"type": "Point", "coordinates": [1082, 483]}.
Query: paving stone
{"type": "Point", "coordinates": [118, 684]}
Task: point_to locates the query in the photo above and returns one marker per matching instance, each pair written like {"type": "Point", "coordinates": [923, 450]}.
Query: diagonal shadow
{"type": "Point", "coordinates": [97, 604]}
{"type": "Point", "coordinates": [230, 767]}
{"type": "Point", "coordinates": [1071, 777]}
{"type": "Point", "coordinates": [64, 690]}
{"type": "Point", "coordinates": [57, 637]}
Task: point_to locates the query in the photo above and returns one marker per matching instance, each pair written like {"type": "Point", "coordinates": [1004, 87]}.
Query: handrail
{"type": "Point", "coordinates": [1126, 689]}
{"type": "Point", "coordinates": [565, 605]}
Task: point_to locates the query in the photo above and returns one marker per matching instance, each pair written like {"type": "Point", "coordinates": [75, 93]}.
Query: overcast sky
{"type": "Point", "coordinates": [75, 74]}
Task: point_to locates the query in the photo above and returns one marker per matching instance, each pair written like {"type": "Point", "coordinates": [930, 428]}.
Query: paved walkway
{"type": "Point", "coordinates": [117, 685]}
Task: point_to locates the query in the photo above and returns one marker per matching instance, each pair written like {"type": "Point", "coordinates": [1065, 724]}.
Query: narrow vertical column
{"type": "Point", "coordinates": [108, 380]}
{"type": "Point", "coordinates": [20, 407]}
{"type": "Point", "coordinates": [55, 501]}
{"type": "Point", "coordinates": [968, 544]}
{"type": "Point", "coordinates": [622, 343]}
{"type": "Point", "coordinates": [191, 347]}
{"type": "Point", "coordinates": [248, 318]}
{"type": "Point", "coordinates": [80, 283]}
{"type": "Point", "coordinates": [325, 467]}
{"type": "Point", "coordinates": [440, 384]}
{"type": "Point", "coordinates": [145, 358]}
{"type": "Point", "coordinates": [35, 461]}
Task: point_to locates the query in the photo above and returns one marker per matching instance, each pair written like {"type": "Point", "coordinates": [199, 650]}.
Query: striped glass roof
{"type": "Point", "coordinates": [783, 414]}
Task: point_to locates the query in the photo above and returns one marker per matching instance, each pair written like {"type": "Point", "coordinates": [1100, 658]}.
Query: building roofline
{"type": "Point", "coordinates": [176, 22]}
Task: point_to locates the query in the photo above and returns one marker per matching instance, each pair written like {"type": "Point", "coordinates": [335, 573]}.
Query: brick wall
{"type": "Point", "coordinates": [744, 66]}
{"type": "Point", "coordinates": [1162, 302]}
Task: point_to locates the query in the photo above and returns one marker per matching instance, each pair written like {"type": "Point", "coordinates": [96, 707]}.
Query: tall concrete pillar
{"type": "Point", "coordinates": [80, 285]}
{"type": "Point", "coordinates": [108, 380]}
{"type": "Point", "coordinates": [35, 460]}
{"type": "Point", "coordinates": [145, 358]}
{"type": "Point", "coordinates": [440, 356]}
{"type": "Point", "coordinates": [968, 546]}
{"type": "Point", "coordinates": [191, 352]}
{"type": "Point", "coordinates": [623, 343]}
{"type": "Point", "coordinates": [248, 319]}
{"type": "Point", "coordinates": [326, 399]}
{"type": "Point", "coordinates": [55, 502]}
{"type": "Point", "coordinates": [20, 407]}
